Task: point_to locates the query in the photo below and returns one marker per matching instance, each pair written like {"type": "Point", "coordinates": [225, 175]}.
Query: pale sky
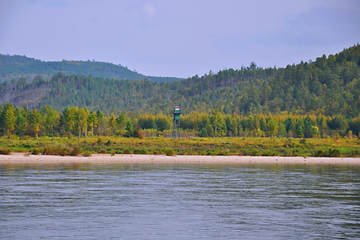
{"type": "Point", "coordinates": [179, 38]}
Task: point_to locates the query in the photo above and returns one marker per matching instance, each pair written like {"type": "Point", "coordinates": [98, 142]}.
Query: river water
{"type": "Point", "coordinates": [179, 201]}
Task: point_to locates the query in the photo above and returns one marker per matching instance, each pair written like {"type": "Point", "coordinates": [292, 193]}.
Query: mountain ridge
{"type": "Point", "coordinates": [16, 66]}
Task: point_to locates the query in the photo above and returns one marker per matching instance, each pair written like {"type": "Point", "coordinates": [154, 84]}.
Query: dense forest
{"type": "Point", "coordinates": [16, 67]}
{"type": "Point", "coordinates": [329, 86]}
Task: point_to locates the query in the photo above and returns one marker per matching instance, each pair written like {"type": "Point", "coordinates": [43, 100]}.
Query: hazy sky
{"type": "Point", "coordinates": [179, 38]}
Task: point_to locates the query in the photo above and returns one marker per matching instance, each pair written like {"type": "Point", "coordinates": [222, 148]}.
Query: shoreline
{"type": "Point", "coordinates": [21, 158]}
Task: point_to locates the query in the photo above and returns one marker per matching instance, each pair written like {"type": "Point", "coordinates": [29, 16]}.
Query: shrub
{"type": "Point", "coordinates": [62, 151]}
{"type": "Point", "coordinates": [329, 153]}
{"type": "Point", "coordinates": [354, 153]}
{"type": "Point", "coordinates": [268, 153]}
{"type": "Point", "coordinates": [254, 153]}
{"type": "Point", "coordinates": [5, 151]}
{"type": "Point", "coordinates": [157, 152]}
{"type": "Point", "coordinates": [334, 153]}
{"type": "Point", "coordinates": [140, 151]}
{"type": "Point", "coordinates": [241, 153]}
{"type": "Point", "coordinates": [169, 152]}
{"type": "Point", "coordinates": [87, 154]}
{"type": "Point", "coordinates": [75, 151]}
{"type": "Point", "coordinates": [35, 151]}
{"type": "Point", "coordinates": [223, 153]}
{"type": "Point", "coordinates": [27, 145]}
{"type": "Point", "coordinates": [101, 151]}
{"type": "Point", "coordinates": [127, 151]}
{"type": "Point", "coordinates": [48, 151]}
{"type": "Point", "coordinates": [210, 153]}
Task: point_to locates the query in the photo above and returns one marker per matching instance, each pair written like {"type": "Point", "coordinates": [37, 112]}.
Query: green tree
{"type": "Point", "coordinates": [308, 127]}
{"type": "Point", "coordinates": [282, 130]}
{"type": "Point", "coordinates": [215, 120]}
{"type": "Point", "coordinates": [100, 119]}
{"type": "Point", "coordinates": [20, 127]}
{"type": "Point", "coordinates": [112, 123]}
{"type": "Point", "coordinates": [203, 132]}
{"type": "Point", "coordinates": [81, 118]}
{"type": "Point", "coordinates": [323, 125]}
{"type": "Point", "coordinates": [162, 123]}
{"type": "Point", "coordinates": [129, 128]}
{"type": "Point", "coordinates": [290, 127]}
{"type": "Point", "coordinates": [121, 122]}
{"type": "Point", "coordinates": [300, 132]}
{"type": "Point", "coordinates": [36, 122]}
{"type": "Point", "coordinates": [52, 119]}
{"type": "Point", "coordinates": [314, 131]}
{"type": "Point", "coordinates": [92, 121]}
{"type": "Point", "coordinates": [9, 118]}
{"type": "Point", "coordinates": [271, 127]}
{"type": "Point", "coordinates": [204, 122]}
{"type": "Point", "coordinates": [69, 119]}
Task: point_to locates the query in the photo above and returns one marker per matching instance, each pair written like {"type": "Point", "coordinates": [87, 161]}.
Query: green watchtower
{"type": "Point", "coordinates": [176, 113]}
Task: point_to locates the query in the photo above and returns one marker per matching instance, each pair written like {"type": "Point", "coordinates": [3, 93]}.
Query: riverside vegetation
{"type": "Point", "coordinates": [225, 146]}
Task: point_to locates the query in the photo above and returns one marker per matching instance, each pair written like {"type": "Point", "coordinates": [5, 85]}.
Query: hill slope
{"type": "Point", "coordinates": [330, 85]}
{"type": "Point", "coordinates": [20, 66]}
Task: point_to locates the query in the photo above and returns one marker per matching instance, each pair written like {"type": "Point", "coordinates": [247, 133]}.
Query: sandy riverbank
{"type": "Point", "coordinates": [19, 158]}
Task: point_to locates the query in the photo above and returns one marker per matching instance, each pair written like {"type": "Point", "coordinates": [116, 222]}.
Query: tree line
{"type": "Point", "coordinates": [80, 122]}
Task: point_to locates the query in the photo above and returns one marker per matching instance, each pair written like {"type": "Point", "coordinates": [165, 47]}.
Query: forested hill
{"type": "Point", "coordinates": [330, 85]}
{"type": "Point", "coordinates": [20, 66]}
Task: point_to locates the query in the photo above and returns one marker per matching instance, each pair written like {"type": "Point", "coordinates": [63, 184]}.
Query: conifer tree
{"type": "Point", "coordinates": [20, 127]}
{"type": "Point", "coordinates": [129, 128]}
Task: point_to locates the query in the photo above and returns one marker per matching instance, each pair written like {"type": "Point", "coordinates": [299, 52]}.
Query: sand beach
{"type": "Point", "coordinates": [20, 158]}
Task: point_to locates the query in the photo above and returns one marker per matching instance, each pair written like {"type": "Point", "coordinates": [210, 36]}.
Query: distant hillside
{"type": "Point", "coordinates": [330, 86]}
{"type": "Point", "coordinates": [20, 66]}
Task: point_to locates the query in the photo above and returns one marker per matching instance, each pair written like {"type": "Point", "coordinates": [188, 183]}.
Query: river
{"type": "Point", "coordinates": [179, 201]}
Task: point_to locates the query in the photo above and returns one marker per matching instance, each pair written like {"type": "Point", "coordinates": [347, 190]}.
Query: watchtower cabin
{"type": "Point", "coordinates": [176, 131]}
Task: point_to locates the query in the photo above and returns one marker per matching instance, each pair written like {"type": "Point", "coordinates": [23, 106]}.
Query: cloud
{"type": "Point", "coordinates": [149, 10]}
